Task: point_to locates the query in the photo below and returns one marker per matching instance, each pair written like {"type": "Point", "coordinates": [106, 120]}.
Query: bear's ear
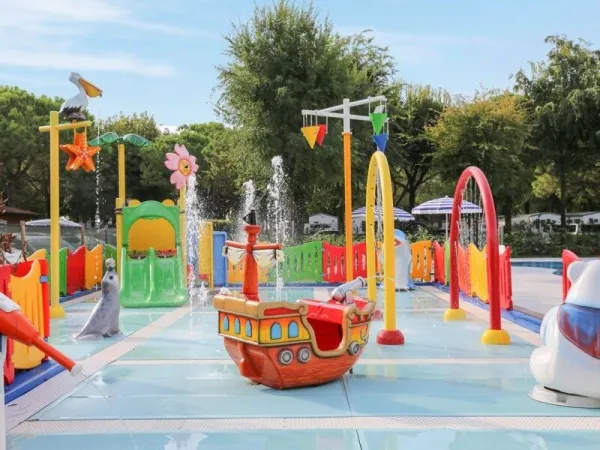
{"type": "Point", "coordinates": [575, 270]}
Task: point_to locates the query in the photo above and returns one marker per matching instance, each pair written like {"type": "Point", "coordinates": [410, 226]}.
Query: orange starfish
{"type": "Point", "coordinates": [80, 154]}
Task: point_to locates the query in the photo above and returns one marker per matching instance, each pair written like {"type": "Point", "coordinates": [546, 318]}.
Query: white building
{"type": "Point", "coordinates": [584, 218]}
{"type": "Point", "coordinates": [321, 222]}
{"type": "Point", "coordinates": [536, 219]}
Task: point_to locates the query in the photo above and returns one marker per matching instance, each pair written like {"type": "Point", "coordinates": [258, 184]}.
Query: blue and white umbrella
{"type": "Point", "coordinates": [399, 214]}
{"type": "Point", "coordinates": [444, 206]}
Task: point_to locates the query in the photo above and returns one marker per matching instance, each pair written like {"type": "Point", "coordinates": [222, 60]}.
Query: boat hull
{"type": "Point", "coordinates": [262, 365]}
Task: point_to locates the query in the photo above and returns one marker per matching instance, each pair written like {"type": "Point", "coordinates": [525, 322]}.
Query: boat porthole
{"type": "Point", "coordinates": [303, 355]}
{"type": "Point", "coordinates": [285, 357]}
{"type": "Point", "coordinates": [354, 348]}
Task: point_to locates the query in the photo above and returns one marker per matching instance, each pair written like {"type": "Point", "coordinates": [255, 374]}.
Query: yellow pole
{"type": "Point", "coordinates": [379, 166]}
{"type": "Point", "coordinates": [370, 234]}
{"type": "Point", "coordinates": [54, 128]}
{"type": "Point", "coordinates": [55, 309]}
{"type": "Point", "coordinates": [182, 222]}
{"type": "Point", "coordinates": [119, 203]}
{"type": "Point", "coordinates": [121, 159]}
{"type": "Point", "coordinates": [348, 202]}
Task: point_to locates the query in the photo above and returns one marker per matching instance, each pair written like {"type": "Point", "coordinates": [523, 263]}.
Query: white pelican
{"type": "Point", "coordinates": [73, 108]}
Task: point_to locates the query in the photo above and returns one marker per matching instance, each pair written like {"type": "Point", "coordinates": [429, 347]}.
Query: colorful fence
{"type": "Point", "coordinates": [439, 263]}
{"type": "Point", "coordinates": [422, 261]}
{"type": "Point", "coordinates": [76, 270]}
{"type": "Point", "coordinates": [205, 254]}
{"type": "Point", "coordinates": [27, 284]}
{"type": "Point", "coordinates": [334, 264]}
{"type": "Point", "coordinates": [94, 266]}
{"type": "Point", "coordinates": [320, 262]}
{"type": "Point", "coordinates": [472, 271]}
{"type": "Point", "coordinates": [302, 263]}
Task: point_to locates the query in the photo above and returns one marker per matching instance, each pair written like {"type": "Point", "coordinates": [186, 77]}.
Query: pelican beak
{"type": "Point", "coordinates": [90, 89]}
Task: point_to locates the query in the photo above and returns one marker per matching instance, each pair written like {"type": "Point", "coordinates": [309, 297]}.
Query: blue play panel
{"type": "Point", "coordinates": [182, 372]}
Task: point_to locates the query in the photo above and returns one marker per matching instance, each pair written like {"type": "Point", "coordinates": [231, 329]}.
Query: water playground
{"type": "Point", "coordinates": [181, 337]}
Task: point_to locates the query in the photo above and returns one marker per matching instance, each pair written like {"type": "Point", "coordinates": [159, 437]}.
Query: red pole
{"type": "Point", "coordinates": [250, 284]}
{"type": "Point", "coordinates": [491, 226]}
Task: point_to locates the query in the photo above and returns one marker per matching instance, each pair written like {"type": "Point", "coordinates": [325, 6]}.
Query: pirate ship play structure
{"type": "Point", "coordinates": [282, 344]}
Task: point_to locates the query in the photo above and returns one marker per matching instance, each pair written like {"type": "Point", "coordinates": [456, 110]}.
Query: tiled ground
{"type": "Point", "coordinates": [442, 390]}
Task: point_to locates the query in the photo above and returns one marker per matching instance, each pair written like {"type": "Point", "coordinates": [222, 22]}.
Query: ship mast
{"type": "Point", "coordinates": [252, 229]}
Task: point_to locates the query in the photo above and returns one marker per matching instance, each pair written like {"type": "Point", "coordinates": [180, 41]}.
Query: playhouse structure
{"type": "Point", "coordinates": [151, 257]}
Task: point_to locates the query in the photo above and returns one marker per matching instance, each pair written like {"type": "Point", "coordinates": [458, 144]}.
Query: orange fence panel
{"type": "Point", "coordinates": [464, 281]}
{"type": "Point", "coordinates": [422, 261]}
{"type": "Point", "coordinates": [94, 265]}
{"type": "Point", "coordinates": [439, 263]}
{"type": "Point", "coordinates": [505, 279]}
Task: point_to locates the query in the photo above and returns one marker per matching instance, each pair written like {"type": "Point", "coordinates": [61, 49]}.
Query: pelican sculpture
{"type": "Point", "coordinates": [73, 108]}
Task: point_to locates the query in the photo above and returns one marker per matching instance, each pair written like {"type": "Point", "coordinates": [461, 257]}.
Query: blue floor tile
{"type": "Point", "coordinates": [448, 390]}
{"type": "Point", "coordinates": [213, 390]}
{"type": "Point", "coordinates": [478, 440]}
{"type": "Point", "coordinates": [237, 440]}
{"type": "Point", "coordinates": [428, 336]}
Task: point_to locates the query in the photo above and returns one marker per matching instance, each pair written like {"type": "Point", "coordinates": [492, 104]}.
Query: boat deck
{"type": "Point", "coordinates": [169, 384]}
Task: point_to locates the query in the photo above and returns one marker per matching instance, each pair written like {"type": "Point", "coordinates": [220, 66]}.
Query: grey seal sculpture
{"type": "Point", "coordinates": [104, 320]}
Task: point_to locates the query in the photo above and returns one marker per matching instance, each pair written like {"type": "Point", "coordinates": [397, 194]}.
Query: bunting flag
{"type": "Point", "coordinates": [321, 134]}
{"type": "Point", "coordinates": [310, 134]}
{"type": "Point", "coordinates": [378, 120]}
{"type": "Point", "coordinates": [381, 141]}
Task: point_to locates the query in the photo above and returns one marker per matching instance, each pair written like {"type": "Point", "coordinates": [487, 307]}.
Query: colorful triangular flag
{"type": "Point", "coordinates": [321, 134]}
{"type": "Point", "coordinates": [381, 141]}
{"type": "Point", "coordinates": [378, 120]}
{"type": "Point", "coordinates": [310, 134]}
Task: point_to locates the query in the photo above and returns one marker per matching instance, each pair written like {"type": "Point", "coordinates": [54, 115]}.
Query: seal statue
{"type": "Point", "coordinates": [104, 320]}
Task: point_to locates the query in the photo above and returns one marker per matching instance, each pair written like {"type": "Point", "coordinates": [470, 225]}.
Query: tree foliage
{"type": "Point", "coordinates": [564, 96]}
{"type": "Point", "coordinates": [24, 173]}
{"type": "Point", "coordinates": [284, 60]}
{"type": "Point", "coordinates": [489, 133]}
{"type": "Point", "coordinates": [413, 109]}
{"type": "Point", "coordinates": [538, 146]}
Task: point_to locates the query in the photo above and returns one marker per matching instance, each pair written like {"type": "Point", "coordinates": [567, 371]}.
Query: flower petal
{"type": "Point", "coordinates": [174, 177]}
{"type": "Point", "coordinates": [172, 165]}
{"type": "Point", "coordinates": [195, 168]}
{"type": "Point", "coordinates": [181, 151]}
{"type": "Point", "coordinates": [180, 179]}
{"type": "Point", "coordinates": [172, 156]}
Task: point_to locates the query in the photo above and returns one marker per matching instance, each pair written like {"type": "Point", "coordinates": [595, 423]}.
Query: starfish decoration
{"type": "Point", "coordinates": [80, 153]}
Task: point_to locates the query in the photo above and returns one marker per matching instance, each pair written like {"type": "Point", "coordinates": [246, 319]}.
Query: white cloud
{"type": "Point", "coordinates": [44, 34]}
{"type": "Point", "coordinates": [75, 61]}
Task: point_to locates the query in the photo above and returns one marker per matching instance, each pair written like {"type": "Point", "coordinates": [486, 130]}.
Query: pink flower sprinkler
{"type": "Point", "coordinates": [182, 164]}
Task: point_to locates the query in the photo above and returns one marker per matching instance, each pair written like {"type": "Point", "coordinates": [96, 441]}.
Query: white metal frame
{"type": "Point", "coordinates": [345, 111]}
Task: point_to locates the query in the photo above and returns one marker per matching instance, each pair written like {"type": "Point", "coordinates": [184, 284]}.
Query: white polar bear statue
{"type": "Point", "coordinates": [569, 360]}
{"type": "Point", "coordinates": [403, 262]}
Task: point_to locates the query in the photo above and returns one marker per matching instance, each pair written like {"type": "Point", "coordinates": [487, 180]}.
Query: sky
{"type": "Point", "coordinates": [160, 56]}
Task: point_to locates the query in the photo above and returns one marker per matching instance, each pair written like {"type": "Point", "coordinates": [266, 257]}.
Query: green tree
{"type": "Point", "coordinates": [24, 151]}
{"type": "Point", "coordinates": [413, 109]}
{"type": "Point", "coordinates": [564, 95]}
{"type": "Point", "coordinates": [490, 133]}
{"type": "Point", "coordinates": [286, 59]}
